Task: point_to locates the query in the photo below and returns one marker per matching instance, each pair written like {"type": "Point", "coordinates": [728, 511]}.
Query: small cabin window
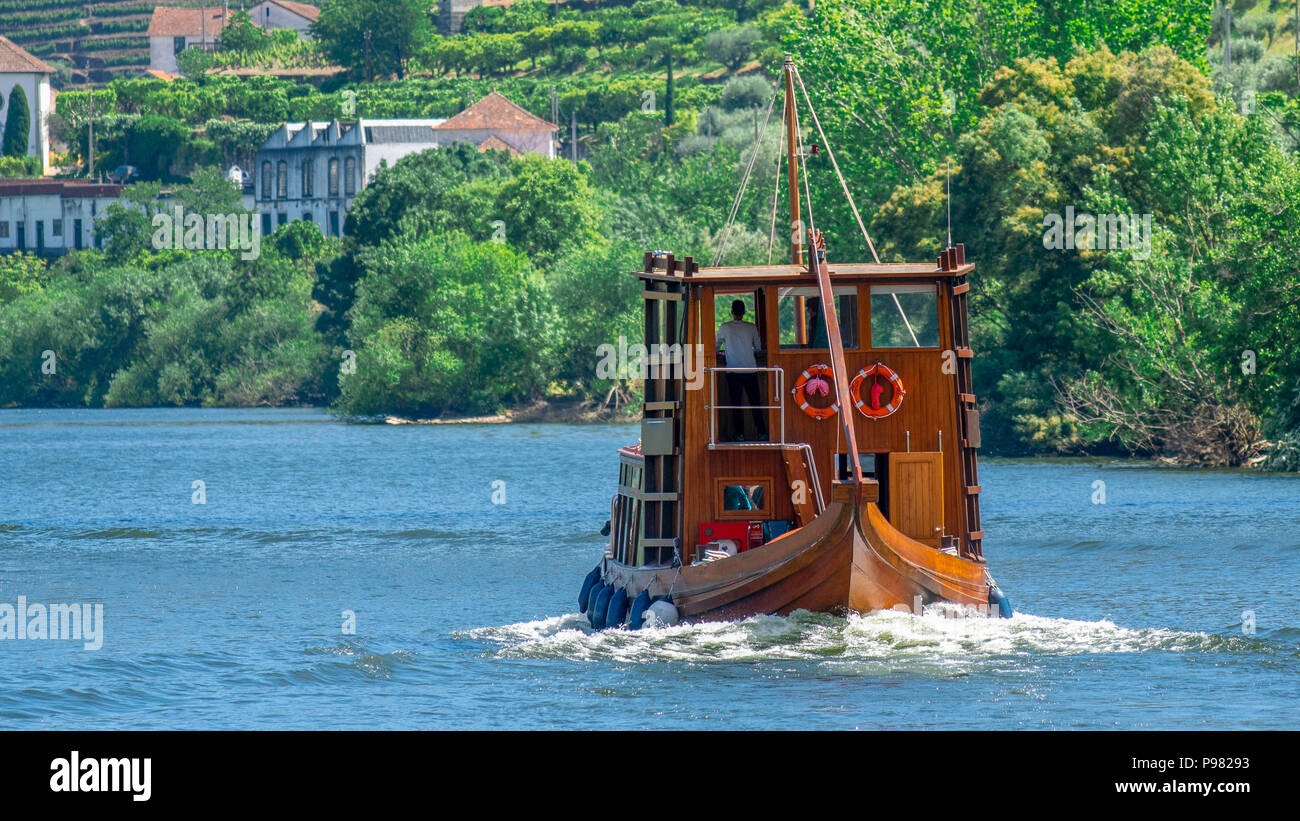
{"type": "Point", "coordinates": [904, 316]}
{"type": "Point", "coordinates": [843, 468]}
{"type": "Point", "coordinates": [743, 498]}
{"type": "Point", "coordinates": [801, 322]}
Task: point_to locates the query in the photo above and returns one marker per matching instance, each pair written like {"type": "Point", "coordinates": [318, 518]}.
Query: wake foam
{"type": "Point", "coordinates": [944, 634]}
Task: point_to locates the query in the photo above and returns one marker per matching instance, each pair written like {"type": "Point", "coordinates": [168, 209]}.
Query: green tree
{"type": "Point", "coordinates": [731, 46]}
{"type": "Point", "coordinates": [154, 143]}
{"type": "Point", "coordinates": [18, 123]}
{"type": "Point", "coordinates": [1132, 346]}
{"type": "Point", "coordinates": [598, 302]}
{"type": "Point", "coordinates": [446, 324]}
{"type": "Point", "coordinates": [126, 227]}
{"type": "Point", "coordinates": [547, 206]}
{"type": "Point", "coordinates": [381, 34]}
{"type": "Point", "coordinates": [20, 274]}
{"type": "Point", "coordinates": [415, 192]}
{"type": "Point", "coordinates": [242, 34]}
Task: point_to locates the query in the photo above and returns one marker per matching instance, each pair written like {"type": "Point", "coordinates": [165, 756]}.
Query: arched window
{"type": "Point", "coordinates": [350, 175]}
{"type": "Point", "coordinates": [282, 180]}
{"type": "Point", "coordinates": [334, 178]}
{"type": "Point", "coordinates": [308, 178]}
{"type": "Point", "coordinates": [266, 179]}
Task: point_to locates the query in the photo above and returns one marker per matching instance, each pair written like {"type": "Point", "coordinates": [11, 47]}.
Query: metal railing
{"type": "Point", "coordinates": [713, 407]}
{"type": "Point", "coordinates": [778, 442]}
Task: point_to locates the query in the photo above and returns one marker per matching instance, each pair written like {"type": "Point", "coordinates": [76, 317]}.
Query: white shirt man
{"type": "Point", "coordinates": [740, 341]}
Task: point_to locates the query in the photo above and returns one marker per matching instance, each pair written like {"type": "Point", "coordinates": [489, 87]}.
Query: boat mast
{"type": "Point", "coordinates": [792, 163]}
{"type": "Point", "coordinates": [792, 171]}
{"type": "Point", "coordinates": [817, 266]}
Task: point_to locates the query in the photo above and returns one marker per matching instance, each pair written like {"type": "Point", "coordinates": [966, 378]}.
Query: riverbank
{"type": "Point", "coordinates": [564, 411]}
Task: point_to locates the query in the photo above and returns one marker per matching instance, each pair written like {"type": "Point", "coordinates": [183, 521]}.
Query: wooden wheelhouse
{"type": "Point", "coordinates": [849, 484]}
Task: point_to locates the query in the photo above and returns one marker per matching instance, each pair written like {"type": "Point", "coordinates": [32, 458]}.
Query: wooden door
{"type": "Point", "coordinates": [916, 495]}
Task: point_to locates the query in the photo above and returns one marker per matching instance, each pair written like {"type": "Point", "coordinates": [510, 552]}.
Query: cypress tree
{"type": "Point", "coordinates": [17, 124]}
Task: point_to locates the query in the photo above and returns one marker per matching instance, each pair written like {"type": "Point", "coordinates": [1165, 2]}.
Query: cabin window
{"type": "Point", "coordinates": [867, 461]}
{"type": "Point", "coordinates": [904, 316]}
{"type": "Point", "coordinates": [801, 323]}
{"type": "Point", "coordinates": [743, 498]}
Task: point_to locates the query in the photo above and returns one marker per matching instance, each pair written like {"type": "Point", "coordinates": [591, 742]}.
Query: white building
{"type": "Point", "coordinates": [18, 68]}
{"type": "Point", "coordinates": [313, 171]}
{"type": "Point", "coordinates": [451, 13]}
{"type": "Point", "coordinates": [172, 30]}
{"type": "Point", "coordinates": [52, 217]}
{"type": "Point", "coordinates": [282, 14]}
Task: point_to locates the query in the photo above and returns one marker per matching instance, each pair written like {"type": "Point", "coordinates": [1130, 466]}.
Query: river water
{"type": "Point", "coordinates": [458, 552]}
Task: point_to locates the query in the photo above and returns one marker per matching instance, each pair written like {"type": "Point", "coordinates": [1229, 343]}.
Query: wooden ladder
{"type": "Point", "coordinates": [664, 299]}
{"type": "Point", "coordinates": [968, 425]}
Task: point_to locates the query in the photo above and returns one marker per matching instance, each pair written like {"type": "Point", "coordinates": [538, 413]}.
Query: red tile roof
{"type": "Point", "coordinates": [301, 9]}
{"type": "Point", "coordinates": [174, 22]}
{"type": "Point", "coordinates": [495, 143]}
{"type": "Point", "coordinates": [18, 60]}
{"type": "Point", "coordinates": [64, 188]}
{"type": "Point", "coordinates": [496, 112]}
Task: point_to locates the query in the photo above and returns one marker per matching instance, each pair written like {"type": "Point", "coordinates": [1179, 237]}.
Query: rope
{"type": "Point", "coordinates": [843, 184]}
{"type": "Point", "coordinates": [720, 251]}
{"type": "Point", "coordinates": [776, 190]}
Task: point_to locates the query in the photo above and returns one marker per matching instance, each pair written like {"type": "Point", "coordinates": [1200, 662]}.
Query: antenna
{"type": "Point", "coordinates": [948, 163]}
{"type": "Point", "coordinates": [950, 103]}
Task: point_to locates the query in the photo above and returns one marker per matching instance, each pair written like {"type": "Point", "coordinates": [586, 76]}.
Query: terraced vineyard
{"type": "Point", "coordinates": [97, 40]}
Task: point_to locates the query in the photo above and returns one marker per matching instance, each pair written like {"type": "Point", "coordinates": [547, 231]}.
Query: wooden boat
{"type": "Point", "coordinates": [713, 520]}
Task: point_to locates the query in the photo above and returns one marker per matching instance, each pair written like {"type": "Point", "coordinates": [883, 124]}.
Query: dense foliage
{"type": "Point", "coordinates": [471, 281]}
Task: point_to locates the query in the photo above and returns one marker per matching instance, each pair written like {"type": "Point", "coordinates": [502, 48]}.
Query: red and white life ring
{"type": "Point", "coordinates": [873, 408]}
{"type": "Point", "coordinates": [815, 379]}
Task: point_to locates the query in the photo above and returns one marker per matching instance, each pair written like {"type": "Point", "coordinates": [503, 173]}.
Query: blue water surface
{"type": "Point", "coordinates": [231, 613]}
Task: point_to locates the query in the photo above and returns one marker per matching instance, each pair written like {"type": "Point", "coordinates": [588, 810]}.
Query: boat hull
{"type": "Point", "coordinates": [848, 559]}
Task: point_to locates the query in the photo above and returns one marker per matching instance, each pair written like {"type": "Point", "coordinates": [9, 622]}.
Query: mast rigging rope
{"type": "Point", "coordinates": [843, 184]}
{"type": "Point", "coordinates": [719, 252]}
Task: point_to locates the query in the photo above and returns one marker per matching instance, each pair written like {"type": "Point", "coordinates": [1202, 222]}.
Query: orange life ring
{"type": "Point", "coordinates": [874, 410]}
{"type": "Point", "coordinates": [812, 374]}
